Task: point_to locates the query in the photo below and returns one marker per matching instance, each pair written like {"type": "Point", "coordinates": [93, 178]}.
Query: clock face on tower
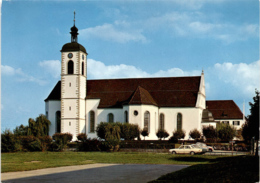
{"type": "Point", "coordinates": [70, 55]}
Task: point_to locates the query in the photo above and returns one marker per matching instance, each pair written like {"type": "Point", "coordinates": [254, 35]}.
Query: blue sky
{"type": "Point", "coordinates": [127, 39]}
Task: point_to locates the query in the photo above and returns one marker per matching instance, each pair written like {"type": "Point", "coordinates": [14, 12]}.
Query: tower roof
{"type": "Point", "coordinates": [74, 46]}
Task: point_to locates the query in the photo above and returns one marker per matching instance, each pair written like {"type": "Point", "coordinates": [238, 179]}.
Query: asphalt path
{"type": "Point", "coordinates": [92, 173]}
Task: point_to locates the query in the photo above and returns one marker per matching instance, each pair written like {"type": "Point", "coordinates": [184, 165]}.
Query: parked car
{"type": "Point", "coordinates": [202, 145]}
{"type": "Point", "coordinates": [186, 149]}
{"type": "Point", "coordinates": [204, 150]}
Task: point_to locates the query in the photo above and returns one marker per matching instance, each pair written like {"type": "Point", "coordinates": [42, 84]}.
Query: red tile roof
{"type": "Point", "coordinates": [55, 93]}
{"type": "Point", "coordinates": [142, 96]}
{"type": "Point", "coordinates": [224, 109]}
{"type": "Point", "coordinates": [162, 92]}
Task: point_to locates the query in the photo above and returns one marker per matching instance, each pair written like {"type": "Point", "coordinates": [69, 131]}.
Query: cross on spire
{"type": "Point", "coordinates": [74, 16]}
{"type": "Point", "coordinates": [74, 31]}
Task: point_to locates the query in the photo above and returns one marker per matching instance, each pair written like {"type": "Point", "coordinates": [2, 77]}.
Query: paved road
{"type": "Point", "coordinates": [92, 173]}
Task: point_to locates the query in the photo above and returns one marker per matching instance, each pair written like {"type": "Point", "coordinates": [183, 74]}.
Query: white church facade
{"type": "Point", "coordinates": [77, 105]}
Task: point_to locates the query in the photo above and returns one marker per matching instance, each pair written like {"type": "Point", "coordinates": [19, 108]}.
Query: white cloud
{"type": "Point", "coordinates": [240, 77]}
{"type": "Point", "coordinates": [9, 71]}
{"type": "Point", "coordinates": [245, 77]}
{"type": "Point", "coordinates": [52, 67]}
{"type": "Point", "coordinates": [20, 75]}
{"type": "Point", "coordinates": [118, 32]}
{"type": "Point", "coordinates": [98, 70]}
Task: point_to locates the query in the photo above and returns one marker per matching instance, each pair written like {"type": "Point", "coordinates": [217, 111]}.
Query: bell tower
{"type": "Point", "coordinates": [73, 85]}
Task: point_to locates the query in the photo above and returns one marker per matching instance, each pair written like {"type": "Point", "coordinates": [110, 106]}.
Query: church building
{"type": "Point", "coordinates": [77, 105]}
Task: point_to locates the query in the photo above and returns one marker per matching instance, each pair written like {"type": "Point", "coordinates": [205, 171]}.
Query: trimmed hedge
{"type": "Point", "coordinates": [93, 145]}
{"type": "Point", "coordinates": [30, 143]}
{"type": "Point", "coordinates": [82, 137]}
{"type": "Point", "coordinates": [13, 143]}
{"type": "Point", "coordinates": [60, 141]}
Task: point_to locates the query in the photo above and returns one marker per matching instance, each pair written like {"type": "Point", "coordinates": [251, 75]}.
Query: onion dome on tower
{"type": "Point", "coordinates": [73, 45]}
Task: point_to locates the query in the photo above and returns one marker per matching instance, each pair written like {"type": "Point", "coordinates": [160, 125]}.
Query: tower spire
{"type": "Point", "coordinates": [74, 31]}
{"type": "Point", "coordinates": [74, 17]}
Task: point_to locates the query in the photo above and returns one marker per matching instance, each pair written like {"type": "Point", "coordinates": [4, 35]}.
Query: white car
{"type": "Point", "coordinates": [186, 149]}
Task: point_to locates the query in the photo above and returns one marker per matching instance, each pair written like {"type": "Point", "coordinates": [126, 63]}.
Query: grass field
{"type": "Point", "coordinates": [37, 160]}
{"type": "Point", "coordinates": [204, 168]}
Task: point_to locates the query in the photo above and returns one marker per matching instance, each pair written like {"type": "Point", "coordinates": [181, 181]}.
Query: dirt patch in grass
{"type": "Point", "coordinates": [32, 162]}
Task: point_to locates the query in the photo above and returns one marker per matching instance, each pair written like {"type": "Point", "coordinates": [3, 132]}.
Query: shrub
{"type": "Point", "coordinates": [144, 133]}
{"type": "Point", "coordinates": [60, 141]}
{"type": "Point", "coordinates": [90, 145]}
{"type": "Point", "coordinates": [173, 139]}
{"type": "Point", "coordinates": [129, 131]}
{"type": "Point", "coordinates": [9, 142]}
{"type": "Point", "coordinates": [45, 142]}
{"type": "Point", "coordinates": [101, 130]}
{"type": "Point", "coordinates": [178, 134]}
{"type": "Point", "coordinates": [209, 132]}
{"type": "Point", "coordinates": [38, 127]}
{"type": "Point", "coordinates": [110, 132]}
{"type": "Point", "coordinates": [21, 130]}
{"type": "Point", "coordinates": [195, 134]}
{"type": "Point", "coordinates": [30, 143]}
{"type": "Point", "coordinates": [226, 132]}
{"type": "Point", "coordinates": [112, 136]}
{"type": "Point", "coordinates": [68, 137]}
{"type": "Point", "coordinates": [82, 137]}
{"type": "Point", "coordinates": [162, 133]}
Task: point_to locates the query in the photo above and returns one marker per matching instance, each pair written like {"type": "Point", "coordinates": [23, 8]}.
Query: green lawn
{"type": "Point", "coordinates": [228, 169]}
{"type": "Point", "coordinates": [36, 160]}
{"type": "Point", "coordinates": [204, 168]}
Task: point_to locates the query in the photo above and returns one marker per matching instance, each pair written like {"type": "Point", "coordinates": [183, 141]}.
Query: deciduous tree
{"type": "Point", "coordinates": [195, 134]}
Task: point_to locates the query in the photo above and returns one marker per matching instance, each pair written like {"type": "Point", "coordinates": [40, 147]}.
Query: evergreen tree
{"type": "Point", "coordinates": [251, 127]}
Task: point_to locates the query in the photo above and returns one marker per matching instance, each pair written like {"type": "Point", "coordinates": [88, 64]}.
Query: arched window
{"type": "Point", "coordinates": [110, 118]}
{"type": "Point", "coordinates": [82, 71]}
{"type": "Point", "coordinates": [58, 125]}
{"type": "Point", "coordinates": [70, 67]}
{"type": "Point", "coordinates": [161, 122]}
{"type": "Point", "coordinates": [147, 121]}
{"type": "Point", "coordinates": [91, 121]}
{"type": "Point", "coordinates": [126, 116]}
{"type": "Point", "coordinates": [179, 121]}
